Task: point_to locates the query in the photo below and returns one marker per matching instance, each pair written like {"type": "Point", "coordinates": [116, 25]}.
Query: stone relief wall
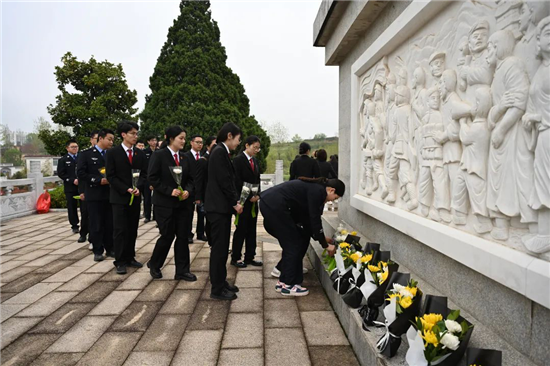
{"type": "Point", "coordinates": [455, 123]}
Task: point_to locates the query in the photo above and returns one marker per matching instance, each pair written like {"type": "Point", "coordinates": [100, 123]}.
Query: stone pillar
{"type": "Point", "coordinates": [278, 172]}
{"type": "Point", "coordinates": [35, 173]}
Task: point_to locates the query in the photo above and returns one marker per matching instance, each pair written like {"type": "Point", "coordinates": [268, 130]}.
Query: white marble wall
{"type": "Point", "coordinates": [454, 124]}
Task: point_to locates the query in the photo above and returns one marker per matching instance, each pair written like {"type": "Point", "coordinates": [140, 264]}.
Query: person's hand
{"type": "Point", "coordinates": [104, 181]}
{"type": "Point", "coordinates": [198, 202]}
{"type": "Point", "coordinates": [329, 240]}
{"type": "Point", "coordinates": [331, 250]}
{"type": "Point", "coordinates": [136, 192]}
{"type": "Point", "coordinates": [255, 199]}
{"type": "Point", "coordinates": [497, 139]}
{"type": "Point", "coordinates": [75, 182]}
{"type": "Point", "coordinates": [185, 195]}
{"type": "Point", "coordinates": [82, 198]}
{"type": "Point", "coordinates": [238, 208]}
{"type": "Point", "coordinates": [176, 193]}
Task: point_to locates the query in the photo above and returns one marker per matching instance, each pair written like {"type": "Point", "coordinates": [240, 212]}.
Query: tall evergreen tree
{"type": "Point", "coordinates": [192, 85]}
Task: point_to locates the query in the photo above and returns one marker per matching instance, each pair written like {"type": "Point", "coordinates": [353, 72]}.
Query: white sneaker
{"type": "Point", "coordinates": [295, 290]}
{"type": "Point", "coordinates": [91, 246]}
{"type": "Point", "coordinates": [275, 273]}
{"type": "Point", "coordinates": [279, 286]}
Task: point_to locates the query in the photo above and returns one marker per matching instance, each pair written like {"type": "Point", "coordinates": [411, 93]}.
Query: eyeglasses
{"type": "Point", "coordinates": [257, 148]}
{"type": "Point", "coordinates": [132, 133]}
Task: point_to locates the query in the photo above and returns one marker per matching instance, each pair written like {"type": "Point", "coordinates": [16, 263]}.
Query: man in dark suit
{"type": "Point", "coordinates": [146, 188]}
{"type": "Point", "coordinates": [126, 170]}
{"type": "Point", "coordinates": [303, 165]}
{"type": "Point", "coordinates": [194, 154]}
{"type": "Point", "coordinates": [85, 218]}
{"type": "Point", "coordinates": [66, 170]}
{"type": "Point", "coordinates": [200, 184]}
{"type": "Point", "coordinates": [91, 171]}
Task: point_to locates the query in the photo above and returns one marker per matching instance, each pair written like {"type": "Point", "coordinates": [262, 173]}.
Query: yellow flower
{"type": "Point", "coordinates": [373, 268]}
{"type": "Point", "coordinates": [430, 338]}
{"type": "Point", "coordinates": [344, 232]}
{"type": "Point", "coordinates": [397, 296]}
{"type": "Point", "coordinates": [354, 233]}
{"type": "Point", "coordinates": [102, 170]}
{"type": "Point", "coordinates": [429, 320]}
{"type": "Point", "coordinates": [383, 276]}
{"type": "Point", "coordinates": [412, 290]}
{"type": "Point", "coordinates": [344, 245]}
{"type": "Point", "coordinates": [405, 302]}
{"type": "Point", "coordinates": [366, 258]}
{"type": "Point", "coordinates": [382, 264]}
{"type": "Point", "coordinates": [355, 257]}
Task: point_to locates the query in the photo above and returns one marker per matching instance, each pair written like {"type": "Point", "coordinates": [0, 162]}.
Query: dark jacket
{"type": "Point", "coordinates": [305, 201]}
{"type": "Point", "coordinates": [304, 166]}
{"type": "Point", "coordinates": [148, 153]}
{"type": "Point", "coordinates": [89, 163]}
{"type": "Point", "coordinates": [119, 173]}
{"type": "Point", "coordinates": [326, 170]}
{"type": "Point", "coordinates": [193, 164]}
{"type": "Point", "coordinates": [201, 177]}
{"type": "Point", "coordinates": [162, 180]}
{"type": "Point", "coordinates": [66, 170]}
{"type": "Point", "coordinates": [244, 173]}
{"type": "Point", "coordinates": [221, 194]}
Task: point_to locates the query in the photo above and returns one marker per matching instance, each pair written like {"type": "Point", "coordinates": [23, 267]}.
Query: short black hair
{"type": "Point", "coordinates": [126, 126]}
{"type": "Point", "coordinates": [228, 128]}
{"type": "Point", "coordinates": [322, 155]}
{"type": "Point", "coordinates": [71, 141]}
{"type": "Point", "coordinates": [171, 133]}
{"type": "Point", "coordinates": [140, 141]}
{"type": "Point", "coordinates": [104, 132]}
{"type": "Point", "coordinates": [194, 136]}
{"type": "Point", "coordinates": [209, 140]}
{"type": "Point", "coordinates": [93, 133]}
{"type": "Point", "coordinates": [251, 140]}
{"type": "Point", "coordinates": [304, 148]}
{"type": "Point", "coordinates": [150, 137]}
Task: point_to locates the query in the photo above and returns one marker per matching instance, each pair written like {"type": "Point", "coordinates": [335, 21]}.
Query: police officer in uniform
{"type": "Point", "coordinates": [66, 170]}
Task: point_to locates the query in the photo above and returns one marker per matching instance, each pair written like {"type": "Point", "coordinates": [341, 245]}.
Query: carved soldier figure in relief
{"type": "Point", "coordinates": [464, 57]}
{"type": "Point", "coordinates": [374, 151]}
{"type": "Point", "coordinates": [437, 65]}
{"type": "Point", "coordinates": [419, 108]}
{"type": "Point", "coordinates": [538, 118]}
{"type": "Point", "coordinates": [379, 102]}
{"type": "Point", "coordinates": [399, 166]}
{"type": "Point", "coordinates": [510, 174]}
{"type": "Point", "coordinates": [531, 13]}
{"type": "Point", "coordinates": [363, 117]}
{"type": "Point", "coordinates": [433, 181]}
{"type": "Point", "coordinates": [390, 134]}
{"type": "Point", "coordinates": [471, 182]}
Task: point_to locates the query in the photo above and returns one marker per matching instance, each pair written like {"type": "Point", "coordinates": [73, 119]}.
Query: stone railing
{"type": "Point", "coordinates": [270, 180]}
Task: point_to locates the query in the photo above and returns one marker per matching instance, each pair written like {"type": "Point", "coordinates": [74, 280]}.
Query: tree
{"type": "Point", "coordinates": [319, 136]}
{"type": "Point", "coordinates": [93, 95]}
{"type": "Point", "coordinates": [11, 156]}
{"type": "Point", "coordinates": [192, 85]}
{"type": "Point", "coordinates": [297, 138]}
{"type": "Point", "coordinates": [54, 139]}
{"type": "Point", "coordinates": [277, 132]}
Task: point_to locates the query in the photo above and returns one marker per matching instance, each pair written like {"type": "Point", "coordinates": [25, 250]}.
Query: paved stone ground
{"type": "Point", "coordinates": [59, 307]}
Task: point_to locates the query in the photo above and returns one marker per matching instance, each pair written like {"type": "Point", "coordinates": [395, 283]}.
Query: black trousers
{"type": "Point", "coordinates": [293, 239]}
{"type": "Point", "coordinates": [101, 226]}
{"type": "Point", "coordinates": [245, 233]}
{"type": "Point", "coordinates": [146, 194]}
{"type": "Point", "coordinates": [220, 232]}
{"type": "Point", "coordinates": [125, 228]}
{"type": "Point", "coordinates": [72, 209]}
{"type": "Point", "coordinates": [189, 219]}
{"type": "Point", "coordinates": [84, 219]}
{"type": "Point", "coordinates": [172, 224]}
{"type": "Point", "coordinates": [200, 220]}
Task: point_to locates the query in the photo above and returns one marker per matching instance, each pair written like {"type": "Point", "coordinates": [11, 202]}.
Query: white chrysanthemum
{"type": "Point", "coordinates": [405, 293]}
{"type": "Point", "coordinates": [450, 341]}
{"type": "Point", "coordinates": [453, 326]}
{"type": "Point", "coordinates": [397, 287]}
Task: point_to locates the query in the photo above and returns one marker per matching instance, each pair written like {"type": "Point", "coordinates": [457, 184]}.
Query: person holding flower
{"type": "Point", "coordinates": [171, 204]}
{"type": "Point", "coordinates": [126, 169]}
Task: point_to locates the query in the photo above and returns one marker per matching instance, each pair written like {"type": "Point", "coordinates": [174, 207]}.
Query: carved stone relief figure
{"type": "Point", "coordinates": [419, 108]}
{"type": "Point", "coordinates": [374, 151]}
{"type": "Point", "coordinates": [531, 13]}
{"type": "Point", "coordinates": [389, 139]}
{"type": "Point", "coordinates": [437, 65]}
{"type": "Point", "coordinates": [510, 160]}
{"type": "Point", "coordinates": [538, 118]}
{"type": "Point", "coordinates": [463, 58]}
{"type": "Point", "coordinates": [433, 181]}
{"type": "Point", "coordinates": [379, 103]}
{"type": "Point", "coordinates": [399, 166]}
{"type": "Point", "coordinates": [470, 189]}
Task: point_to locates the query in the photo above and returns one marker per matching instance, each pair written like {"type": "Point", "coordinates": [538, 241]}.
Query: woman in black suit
{"type": "Point", "coordinates": [170, 211]}
{"type": "Point", "coordinates": [247, 170]}
{"type": "Point", "coordinates": [220, 203]}
{"type": "Point", "coordinates": [324, 166]}
{"type": "Point", "coordinates": [303, 165]}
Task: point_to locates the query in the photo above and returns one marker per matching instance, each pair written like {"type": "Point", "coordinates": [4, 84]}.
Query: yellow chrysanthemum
{"type": "Point", "coordinates": [391, 296]}
{"type": "Point", "coordinates": [429, 320]}
{"type": "Point", "coordinates": [102, 170]}
{"type": "Point", "coordinates": [383, 276]}
{"type": "Point", "coordinates": [382, 264]}
{"type": "Point", "coordinates": [405, 302]}
{"type": "Point", "coordinates": [354, 233]}
{"type": "Point", "coordinates": [344, 245]}
{"type": "Point", "coordinates": [366, 258]}
{"type": "Point", "coordinates": [355, 257]}
{"type": "Point", "coordinates": [430, 338]}
{"type": "Point", "coordinates": [373, 269]}
{"type": "Point", "coordinates": [344, 232]}
{"type": "Point", "coordinates": [412, 290]}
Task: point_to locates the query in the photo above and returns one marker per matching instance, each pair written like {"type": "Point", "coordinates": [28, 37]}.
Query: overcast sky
{"type": "Point", "coordinates": [269, 45]}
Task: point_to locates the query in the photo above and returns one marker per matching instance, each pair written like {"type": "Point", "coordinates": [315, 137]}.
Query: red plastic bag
{"type": "Point", "coordinates": [43, 203]}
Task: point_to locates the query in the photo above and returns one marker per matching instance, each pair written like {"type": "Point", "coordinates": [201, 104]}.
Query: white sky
{"type": "Point", "coordinates": [269, 45]}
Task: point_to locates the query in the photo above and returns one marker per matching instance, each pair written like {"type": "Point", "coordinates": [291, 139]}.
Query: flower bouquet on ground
{"type": "Point", "coordinates": [439, 337]}
{"type": "Point", "coordinates": [344, 263]}
{"type": "Point", "coordinates": [483, 357]}
{"type": "Point", "coordinates": [353, 297]}
{"type": "Point", "coordinates": [402, 307]}
{"type": "Point", "coordinates": [177, 172]}
{"type": "Point", "coordinates": [135, 179]}
{"type": "Point", "coordinates": [340, 236]}
{"type": "Point", "coordinates": [245, 194]}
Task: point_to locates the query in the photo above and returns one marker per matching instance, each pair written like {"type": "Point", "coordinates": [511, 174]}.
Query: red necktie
{"type": "Point", "coordinates": [197, 156]}
{"type": "Point", "coordinates": [177, 160]}
{"type": "Point", "coordinates": [252, 164]}
{"type": "Point", "coordinates": [130, 156]}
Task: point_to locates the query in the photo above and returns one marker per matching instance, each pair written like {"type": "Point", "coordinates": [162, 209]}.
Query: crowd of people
{"type": "Point", "coordinates": [109, 182]}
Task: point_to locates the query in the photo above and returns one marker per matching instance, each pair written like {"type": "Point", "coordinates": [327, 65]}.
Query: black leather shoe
{"type": "Point", "coordinates": [155, 273]}
{"type": "Point", "coordinates": [202, 238]}
{"type": "Point", "coordinates": [82, 239]}
{"type": "Point", "coordinates": [186, 277]}
{"type": "Point", "coordinates": [121, 270]}
{"type": "Point", "coordinates": [75, 230]}
{"type": "Point", "coordinates": [98, 257]}
{"type": "Point", "coordinates": [254, 263]}
{"type": "Point", "coordinates": [238, 264]}
{"type": "Point", "coordinates": [224, 295]}
{"type": "Point", "coordinates": [232, 288]}
{"type": "Point", "coordinates": [135, 264]}
{"type": "Point", "coordinates": [146, 221]}
{"type": "Point", "coordinates": [110, 254]}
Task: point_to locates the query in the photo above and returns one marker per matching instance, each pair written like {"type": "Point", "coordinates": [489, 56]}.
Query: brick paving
{"type": "Point", "coordinates": [59, 307]}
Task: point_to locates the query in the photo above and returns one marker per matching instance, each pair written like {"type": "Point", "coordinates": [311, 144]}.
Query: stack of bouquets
{"type": "Point", "coordinates": [483, 357]}
{"type": "Point", "coordinates": [402, 307]}
{"type": "Point", "coordinates": [439, 337]}
{"type": "Point", "coordinates": [354, 297]}
{"type": "Point", "coordinates": [340, 265]}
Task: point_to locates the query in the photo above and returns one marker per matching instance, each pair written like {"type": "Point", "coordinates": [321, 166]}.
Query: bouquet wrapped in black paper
{"type": "Point", "coordinates": [483, 357]}
{"type": "Point", "coordinates": [402, 307]}
{"type": "Point", "coordinates": [438, 337]}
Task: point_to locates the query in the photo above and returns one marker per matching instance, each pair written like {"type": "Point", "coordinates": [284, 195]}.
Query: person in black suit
{"type": "Point", "coordinates": [194, 155]}
{"type": "Point", "coordinates": [324, 166]}
{"type": "Point", "coordinates": [292, 214]}
{"type": "Point", "coordinates": [334, 163]}
{"type": "Point", "coordinates": [85, 217]}
{"type": "Point", "coordinates": [247, 170]}
{"type": "Point", "coordinates": [303, 165]}
{"type": "Point", "coordinates": [66, 170]}
{"type": "Point", "coordinates": [91, 171]}
{"type": "Point", "coordinates": [146, 187]}
{"type": "Point", "coordinates": [200, 184]}
{"type": "Point", "coordinates": [221, 202]}
{"type": "Point", "coordinates": [121, 161]}
{"type": "Point", "coordinates": [170, 210]}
